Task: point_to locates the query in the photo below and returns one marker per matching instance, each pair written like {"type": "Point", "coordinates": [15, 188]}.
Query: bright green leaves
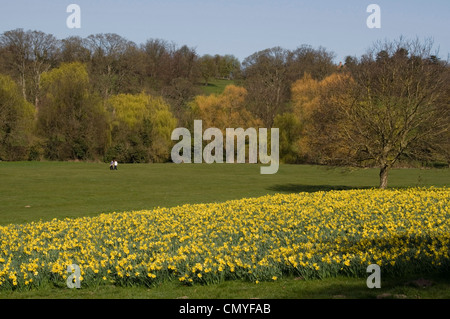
{"type": "Point", "coordinates": [16, 121]}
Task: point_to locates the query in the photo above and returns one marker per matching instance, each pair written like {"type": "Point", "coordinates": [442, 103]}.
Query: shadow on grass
{"type": "Point", "coordinates": [418, 286]}
{"type": "Point", "coordinates": [298, 188]}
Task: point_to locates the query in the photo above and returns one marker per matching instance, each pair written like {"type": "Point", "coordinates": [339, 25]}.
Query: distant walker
{"type": "Point", "coordinates": [113, 165]}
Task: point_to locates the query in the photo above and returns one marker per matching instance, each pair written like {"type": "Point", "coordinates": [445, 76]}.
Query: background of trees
{"type": "Point", "coordinates": [16, 121]}
{"type": "Point", "coordinates": [105, 97]}
{"type": "Point", "coordinates": [392, 105]}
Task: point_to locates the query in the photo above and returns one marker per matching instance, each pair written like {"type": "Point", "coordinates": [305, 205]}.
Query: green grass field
{"type": "Point", "coordinates": [32, 191]}
{"type": "Point", "coordinates": [215, 86]}
{"type": "Point", "coordinates": [431, 287]}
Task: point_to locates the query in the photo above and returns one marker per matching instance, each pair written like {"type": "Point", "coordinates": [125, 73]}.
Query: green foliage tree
{"type": "Point", "coordinates": [208, 68]}
{"type": "Point", "coordinates": [228, 66]}
{"type": "Point", "coordinates": [71, 119]}
{"type": "Point", "coordinates": [141, 127]}
{"type": "Point", "coordinates": [16, 122]}
{"type": "Point", "coordinates": [290, 128]}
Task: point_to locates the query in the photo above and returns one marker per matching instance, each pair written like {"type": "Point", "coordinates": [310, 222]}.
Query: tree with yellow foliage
{"type": "Point", "coordinates": [314, 106]}
{"type": "Point", "coordinates": [141, 126]}
{"type": "Point", "coordinates": [71, 119]}
{"type": "Point", "coordinates": [16, 121]}
{"type": "Point", "coordinates": [305, 99]}
{"type": "Point", "coordinates": [225, 110]}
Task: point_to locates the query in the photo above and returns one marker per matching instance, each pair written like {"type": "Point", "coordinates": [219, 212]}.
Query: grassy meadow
{"type": "Point", "coordinates": [307, 231]}
{"type": "Point", "coordinates": [33, 191]}
{"type": "Point", "coordinates": [215, 86]}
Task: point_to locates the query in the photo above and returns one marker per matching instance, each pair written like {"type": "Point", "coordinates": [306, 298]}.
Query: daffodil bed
{"type": "Point", "coordinates": [313, 235]}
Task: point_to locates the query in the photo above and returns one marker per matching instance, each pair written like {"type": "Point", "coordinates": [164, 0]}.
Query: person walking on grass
{"type": "Point", "coordinates": [115, 165]}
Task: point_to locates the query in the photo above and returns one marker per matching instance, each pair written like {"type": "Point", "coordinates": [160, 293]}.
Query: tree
{"type": "Point", "coordinates": [208, 67]}
{"type": "Point", "coordinates": [178, 94]}
{"type": "Point", "coordinates": [393, 104]}
{"type": "Point", "coordinates": [157, 57]}
{"type": "Point", "coordinates": [29, 54]}
{"type": "Point", "coordinates": [71, 118]}
{"type": "Point", "coordinates": [131, 71]}
{"type": "Point", "coordinates": [318, 63]}
{"type": "Point", "coordinates": [269, 74]}
{"type": "Point", "coordinates": [322, 140]}
{"type": "Point", "coordinates": [141, 127]}
{"type": "Point", "coordinates": [73, 49]}
{"type": "Point", "coordinates": [107, 52]}
{"type": "Point", "coordinates": [16, 47]}
{"type": "Point", "coordinates": [225, 110]}
{"type": "Point", "coordinates": [228, 66]}
{"type": "Point", "coordinates": [184, 64]}
{"type": "Point", "coordinates": [266, 80]}
{"type": "Point", "coordinates": [219, 67]}
{"type": "Point", "coordinates": [16, 122]}
{"type": "Point", "coordinates": [44, 54]}
{"type": "Point", "coordinates": [295, 124]}
{"type": "Point", "coordinates": [290, 130]}
{"type": "Point", "coordinates": [171, 72]}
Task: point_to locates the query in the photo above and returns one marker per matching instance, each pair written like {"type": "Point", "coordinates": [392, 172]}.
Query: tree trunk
{"type": "Point", "coordinates": [24, 90]}
{"type": "Point", "coordinates": [384, 171]}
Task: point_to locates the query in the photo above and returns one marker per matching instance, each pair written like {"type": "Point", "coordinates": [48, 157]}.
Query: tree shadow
{"type": "Point", "coordinates": [299, 188]}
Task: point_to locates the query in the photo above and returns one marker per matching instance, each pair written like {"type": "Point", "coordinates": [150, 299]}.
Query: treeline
{"type": "Point", "coordinates": [103, 96]}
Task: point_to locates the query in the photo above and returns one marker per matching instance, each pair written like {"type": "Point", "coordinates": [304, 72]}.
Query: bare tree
{"type": "Point", "coordinates": [184, 64]}
{"type": "Point", "coordinates": [393, 106]}
{"type": "Point", "coordinates": [73, 49]}
{"type": "Point", "coordinates": [316, 62]}
{"type": "Point", "coordinates": [29, 54]}
{"type": "Point", "coordinates": [17, 52]}
{"type": "Point", "coordinates": [157, 54]}
{"type": "Point", "coordinates": [266, 79]}
{"type": "Point", "coordinates": [45, 49]}
{"type": "Point", "coordinates": [106, 52]}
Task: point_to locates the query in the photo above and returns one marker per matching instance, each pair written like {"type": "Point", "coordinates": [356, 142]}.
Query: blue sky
{"type": "Point", "coordinates": [240, 27]}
